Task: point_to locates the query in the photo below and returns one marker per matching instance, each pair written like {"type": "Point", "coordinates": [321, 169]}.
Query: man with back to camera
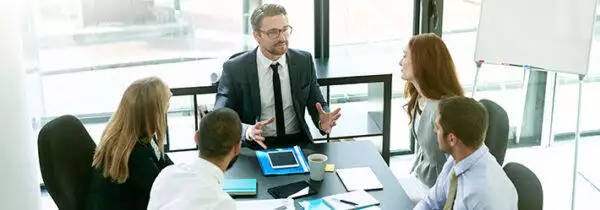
{"type": "Point", "coordinates": [198, 185]}
{"type": "Point", "coordinates": [471, 178]}
{"type": "Point", "coordinates": [271, 86]}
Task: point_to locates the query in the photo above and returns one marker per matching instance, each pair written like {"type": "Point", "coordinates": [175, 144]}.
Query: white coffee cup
{"type": "Point", "coordinates": [316, 162]}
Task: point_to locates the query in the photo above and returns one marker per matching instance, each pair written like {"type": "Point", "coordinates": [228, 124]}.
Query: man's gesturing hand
{"type": "Point", "coordinates": [254, 133]}
{"type": "Point", "coordinates": [327, 120]}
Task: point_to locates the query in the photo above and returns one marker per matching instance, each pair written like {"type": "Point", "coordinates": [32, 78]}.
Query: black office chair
{"type": "Point", "coordinates": [529, 188]}
{"type": "Point", "coordinates": [496, 138]}
{"type": "Point", "coordinates": [236, 55]}
{"type": "Point", "coordinates": [215, 78]}
{"type": "Point", "coordinates": [65, 151]}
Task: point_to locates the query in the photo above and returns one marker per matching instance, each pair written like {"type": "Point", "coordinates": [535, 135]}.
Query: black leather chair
{"type": "Point", "coordinates": [496, 138]}
{"type": "Point", "coordinates": [236, 54]}
{"type": "Point", "coordinates": [529, 188]}
{"type": "Point", "coordinates": [215, 78]}
{"type": "Point", "coordinates": [65, 151]}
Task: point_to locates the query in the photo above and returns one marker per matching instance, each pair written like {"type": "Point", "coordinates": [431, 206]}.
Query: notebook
{"type": "Point", "coordinates": [361, 178]}
{"type": "Point", "coordinates": [240, 186]}
{"type": "Point", "coordinates": [363, 200]}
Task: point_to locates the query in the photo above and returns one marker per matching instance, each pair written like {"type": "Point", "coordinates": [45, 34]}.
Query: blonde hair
{"type": "Point", "coordinates": [141, 115]}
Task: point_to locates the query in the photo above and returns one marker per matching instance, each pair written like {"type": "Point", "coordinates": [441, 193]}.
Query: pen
{"type": "Point", "coordinates": [345, 201]}
{"type": "Point", "coordinates": [281, 208]}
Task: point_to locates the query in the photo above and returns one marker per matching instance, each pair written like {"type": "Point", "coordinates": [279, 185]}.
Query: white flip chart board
{"type": "Point", "coordinates": [553, 35]}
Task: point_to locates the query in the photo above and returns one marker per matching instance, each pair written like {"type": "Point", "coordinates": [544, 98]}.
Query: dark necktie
{"type": "Point", "coordinates": [279, 120]}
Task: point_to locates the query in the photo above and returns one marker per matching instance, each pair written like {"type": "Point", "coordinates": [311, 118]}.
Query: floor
{"type": "Point", "coordinates": [553, 166]}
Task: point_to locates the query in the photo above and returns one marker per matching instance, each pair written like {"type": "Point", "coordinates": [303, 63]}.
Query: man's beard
{"type": "Point", "coordinates": [445, 145]}
{"type": "Point", "coordinates": [447, 149]}
{"type": "Point", "coordinates": [275, 49]}
{"type": "Point", "coordinates": [232, 161]}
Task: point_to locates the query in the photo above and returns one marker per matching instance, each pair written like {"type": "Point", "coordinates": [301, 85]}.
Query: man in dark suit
{"type": "Point", "coordinates": [271, 86]}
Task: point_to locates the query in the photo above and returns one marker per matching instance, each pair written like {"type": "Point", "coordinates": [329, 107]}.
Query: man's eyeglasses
{"type": "Point", "coordinates": [275, 33]}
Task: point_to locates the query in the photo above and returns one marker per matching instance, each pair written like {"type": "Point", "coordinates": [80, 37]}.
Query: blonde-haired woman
{"type": "Point", "coordinates": [130, 153]}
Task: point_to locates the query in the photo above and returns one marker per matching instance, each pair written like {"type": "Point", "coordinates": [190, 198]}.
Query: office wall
{"type": "Point", "coordinates": [18, 179]}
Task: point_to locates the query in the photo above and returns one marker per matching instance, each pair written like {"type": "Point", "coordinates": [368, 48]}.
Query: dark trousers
{"type": "Point", "coordinates": [289, 140]}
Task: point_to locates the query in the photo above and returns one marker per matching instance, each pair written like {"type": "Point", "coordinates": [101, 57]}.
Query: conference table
{"type": "Point", "coordinates": [343, 155]}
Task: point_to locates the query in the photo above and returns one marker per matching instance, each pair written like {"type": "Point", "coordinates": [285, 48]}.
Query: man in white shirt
{"type": "Point", "coordinates": [198, 186]}
{"type": "Point", "coordinates": [471, 177]}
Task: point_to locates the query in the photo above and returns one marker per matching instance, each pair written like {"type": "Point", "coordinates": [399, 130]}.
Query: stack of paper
{"type": "Point", "coordinates": [276, 204]}
{"type": "Point", "coordinates": [359, 179]}
{"type": "Point", "coordinates": [314, 204]}
{"type": "Point", "coordinates": [352, 200]}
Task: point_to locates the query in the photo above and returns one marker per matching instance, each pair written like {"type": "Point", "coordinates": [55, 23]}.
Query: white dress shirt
{"type": "Point", "coordinates": [195, 186]}
{"type": "Point", "coordinates": [482, 184]}
{"type": "Point", "coordinates": [267, 95]}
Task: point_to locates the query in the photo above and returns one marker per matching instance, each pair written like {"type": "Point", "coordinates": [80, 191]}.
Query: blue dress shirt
{"type": "Point", "coordinates": [482, 184]}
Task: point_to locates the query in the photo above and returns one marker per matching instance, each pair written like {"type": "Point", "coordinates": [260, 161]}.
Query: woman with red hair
{"type": "Point", "coordinates": [430, 75]}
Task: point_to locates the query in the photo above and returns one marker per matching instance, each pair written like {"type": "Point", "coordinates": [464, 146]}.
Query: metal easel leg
{"type": "Point", "coordinates": [478, 64]}
{"type": "Point", "coordinates": [577, 137]}
{"type": "Point", "coordinates": [525, 85]}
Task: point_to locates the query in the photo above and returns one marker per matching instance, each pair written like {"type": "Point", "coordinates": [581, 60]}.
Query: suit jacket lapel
{"type": "Point", "coordinates": [294, 73]}
{"type": "Point", "coordinates": [252, 70]}
{"type": "Point", "coordinates": [424, 121]}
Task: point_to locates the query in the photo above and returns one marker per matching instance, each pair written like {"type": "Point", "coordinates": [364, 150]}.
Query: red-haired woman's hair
{"type": "Point", "coordinates": [433, 70]}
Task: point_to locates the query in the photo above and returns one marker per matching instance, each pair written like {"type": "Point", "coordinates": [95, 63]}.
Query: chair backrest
{"type": "Point", "coordinates": [215, 78]}
{"type": "Point", "coordinates": [236, 54]}
{"type": "Point", "coordinates": [496, 138]}
{"type": "Point", "coordinates": [65, 151]}
{"type": "Point", "coordinates": [529, 188]}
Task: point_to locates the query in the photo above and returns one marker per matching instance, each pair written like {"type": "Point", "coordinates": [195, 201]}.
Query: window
{"type": "Point", "coordinates": [85, 33]}
{"type": "Point", "coordinates": [374, 32]}
{"type": "Point", "coordinates": [90, 51]}
{"type": "Point", "coordinates": [355, 22]}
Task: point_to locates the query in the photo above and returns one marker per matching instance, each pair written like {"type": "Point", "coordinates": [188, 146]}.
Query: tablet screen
{"type": "Point", "coordinates": [282, 159]}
